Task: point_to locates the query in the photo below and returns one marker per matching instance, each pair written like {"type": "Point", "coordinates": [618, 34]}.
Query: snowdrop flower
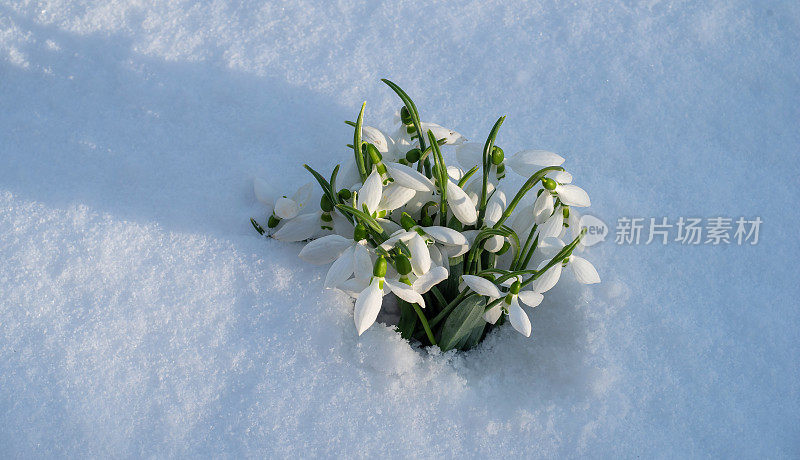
{"type": "Point", "coordinates": [349, 256]}
{"type": "Point", "coordinates": [418, 237]}
{"type": "Point", "coordinates": [460, 204]}
{"type": "Point", "coordinates": [450, 136]}
{"type": "Point", "coordinates": [570, 195]}
{"type": "Point", "coordinates": [584, 271]}
{"type": "Point", "coordinates": [494, 210]}
{"type": "Point", "coordinates": [527, 162]}
{"type": "Point", "coordinates": [370, 299]}
{"type": "Point", "coordinates": [301, 228]}
{"type": "Point", "coordinates": [516, 315]}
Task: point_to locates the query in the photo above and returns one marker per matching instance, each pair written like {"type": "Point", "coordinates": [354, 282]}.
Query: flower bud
{"type": "Point", "coordinates": [345, 194]}
{"type": "Point", "coordinates": [403, 264]}
{"type": "Point", "coordinates": [515, 287]}
{"type": "Point", "coordinates": [325, 203]}
{"type": "Point", "coordinates": [380, 267]}
{"type": "Point", "coordinates": [413, 155]}
{"type": "Point", "coordinates": [407, 221]}
{"type": "Point", "coordinates": [273, 221]}
{"type": "Point", "coordinates": [497, 155]}
{"type": "Point", "coordinates": [373, 152]}
{"type": "Point", "coordinates": [549, 184]}
{"type": "Point", "coordinates": [405, 117]}
{"type": "Point", "coordinates": [359, 232]}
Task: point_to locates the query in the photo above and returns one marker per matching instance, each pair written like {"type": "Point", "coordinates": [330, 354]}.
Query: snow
{"type": "Point", "coordinates": [140, 314]}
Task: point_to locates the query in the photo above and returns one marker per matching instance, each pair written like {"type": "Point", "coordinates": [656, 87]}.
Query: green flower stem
{"type": "Point", "coordinates": [424, 323]}
{"type": "Point", "coordinates": [362, 169]}
{"type": "Point", "coordinates": [487, 163]}
{"type": "Point", "coordinates": [523, 257]}
{"type": "Point", "coordinates": [526, 187]}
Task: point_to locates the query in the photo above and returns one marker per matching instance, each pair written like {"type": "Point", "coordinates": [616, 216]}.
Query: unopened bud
{"type": "Point", "coordinates": [407, 221]}
{"type": "Point", "coordinates": [325, 203]}
{"type": "Point", "coordinates": [413, 155]}
{"type": "Point", "coordinates": [360, 232]}
{"type": "Point", "coordinates": [403, 264]}
{"type": "Point", "coordinates": [497, 155]}
{"type": "Point", "coordinates": [405, 117]}
{"type": "Point", "coordinates": [379, 269]}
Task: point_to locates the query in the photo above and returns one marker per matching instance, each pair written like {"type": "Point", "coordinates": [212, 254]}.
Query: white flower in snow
{"type": "Point", "coordinates": [349, 256]}
{"type": "Point", "coordinates": [584, 271]}
{"type": "Point", "coordinates": [418, 239]}
{"type": "Point", "coordinates": [519, 319]}
{"type": "Point", "coordinates": [494, 210]}
{"type": "Point", "coordinates": [370, 297]}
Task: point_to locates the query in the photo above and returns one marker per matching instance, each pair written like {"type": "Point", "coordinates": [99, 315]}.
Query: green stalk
{"type": "Point", "coordinates": [446, 310]}
{"type": "Point", "coordinates": [362, 170]}
{"type": "Point", "coordinates": [487, 162]}
{"type": "Point", "coordinates": [526, 187]}
{"type": "Point", "coordinates": [424, 323]}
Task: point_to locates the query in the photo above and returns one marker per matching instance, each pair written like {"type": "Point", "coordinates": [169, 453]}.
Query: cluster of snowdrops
{"type": "Point", "coordinates": [460, 252]}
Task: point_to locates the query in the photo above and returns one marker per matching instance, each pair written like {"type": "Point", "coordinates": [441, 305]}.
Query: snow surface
{"type": "Point", "coordinates": [140, 315]}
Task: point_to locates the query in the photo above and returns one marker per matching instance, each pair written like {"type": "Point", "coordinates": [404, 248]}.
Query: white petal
{"type": "Point", "coordinates": [303, 195]}
{"type": "Point", "coordinates": [405, 292]}
{"type": "Point", "coordinates": [493, 314]}
{"type": "Point", "coordinates": [341, 269]}
{"type": "Point", "coordinates": [470, 154]}
{"type": "Point", "coordinates": [445, 235]}
{"type": "Point", "coordinates": [286, 208]}
{"type": "Point", "coordinates": [376, 137]}
{"type": "Point", "coordinates": [394, 196]}
{"type": "Point", "coordinates": [434, 276]}
{"type": "Point", "coordinates": [553, 226]}
{"type": "Point", "coordinates": [458, 201]}
{"type": "Point", "coordinates": [522, 220]}
{"type": "Point", "coordinates": [519, 319]}
{"type": "Point", "coordinates": [325, 250]}
{"type": "Point", "coordinates": [530, 298]}
{"type": "Point", "coordinates": [584, 270]}
{"type": "Point", "coordinates": [436, 256]}
{"type": "Point", "coordinates": [409, 177]}
{"type": "Point", "coordinates": [353, 286]}
{"type": "Point", "coordinates": [362, 262]}
{"type": "Point", "coordinates": [548, 279]}
{"type": "Point", "coordinates": [368, 305]}
{"type": "Point", "coordinates": [549, 247]}
{"type": "Point", "coordinates": [562, 177]}
{"type": "Point", "coordinates": [455, 173]}
{"type": "Point", "coordinates": [342, 226]}
{"type": "Point", "coordinates": [370, 193]}
{"type": "Point", "coordinates": [454, 251]}
{"type": "Point", "coordinates": [420, 256]}
{"type": "Point", "coordinates": [482, 286]}
{"type": "Point", "coordinates": [440, 132]}
{"type": "Point", "coordinates": [494, 209]}
{"type": "Point", "coordinates": [494, 243]}
{"type": "Point", "coordinates": [572, 195]}
{"type": "Point", "coordinates": [528, 162]}
{"type": "Point", "coordinates": [388, 225]}
{"type": "Point", "coordinates": [399, 235]}
{"type": "Point", "coordinates": [510, 281]}
{"type": "Point", "coordinates": [264, 192]}
{"type": "Point", "coordinates": [543, 207]}
{"type": "Point", "coordinates": [300, 228]}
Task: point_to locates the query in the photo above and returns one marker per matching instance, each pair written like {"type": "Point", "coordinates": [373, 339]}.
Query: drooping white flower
{"type": "Point", "coordinates": [527, 162]}
{"type": "Point", "coordinates": [370, 298]}
{"type": "Point", "coordinates": [460, 204]}
{"type": "Point", "coordinates": [301, 228]}
{"type": "Point", "coordinates": [440, 132]}
{"type": "Point", "coordinates": [516, 315]}
{"type": "Point", "coordinates": [494, 211]}
{"type": "Point", "coordinates": [584, 271]}
{"type": "Point", "coordinates": [349, 256]}
{"type": "Point", "coordinates": [409, 177]}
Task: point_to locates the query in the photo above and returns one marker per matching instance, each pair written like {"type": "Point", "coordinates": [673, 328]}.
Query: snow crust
{"type": "Point", "coordinates": [140, 315]}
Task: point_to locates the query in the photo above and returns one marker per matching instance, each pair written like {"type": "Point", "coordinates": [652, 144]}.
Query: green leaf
{"type": "Point", "coordinates": [459, 325]}
{"type": "Point", "coordinates": [474, 337]}
{"type": "Point", "coordinates": [326, 187]}
{"type": "Point", "coordinates": [408, 319]}
{"type": "Point", "coordinates": [256, 226]}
